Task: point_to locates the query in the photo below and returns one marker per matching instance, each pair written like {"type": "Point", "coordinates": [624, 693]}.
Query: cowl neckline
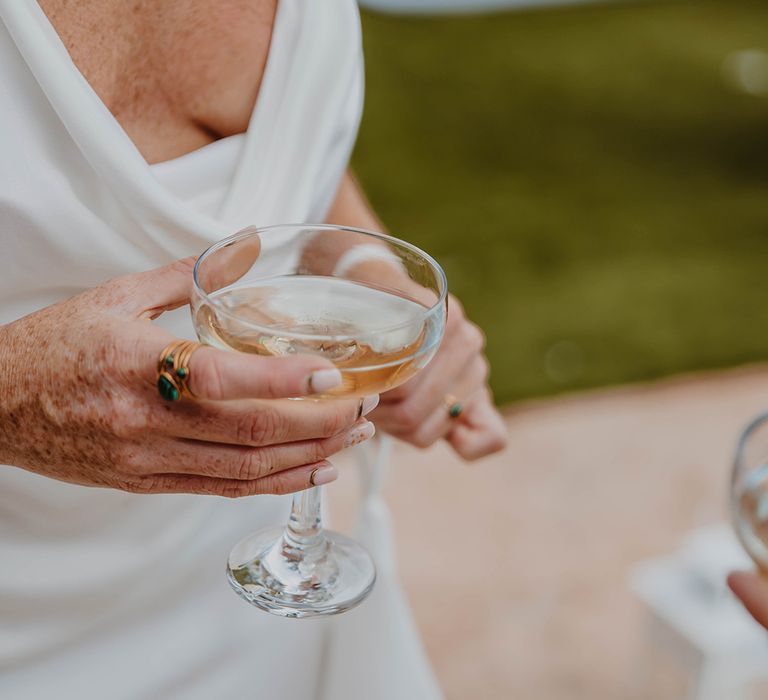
{"type": "Point", "coordinates": [202, 178]}
{"type": "Point", "coordinates": [111, 153]}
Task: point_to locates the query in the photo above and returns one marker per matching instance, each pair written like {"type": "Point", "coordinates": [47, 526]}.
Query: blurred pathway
{"type": "Point", "coordinates": [516, 567]}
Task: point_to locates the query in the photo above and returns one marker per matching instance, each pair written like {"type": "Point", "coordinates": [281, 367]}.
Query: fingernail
{"type": "Point", "coordinates": [323, 380]}
{"type": "Point", "coordinates": [323, 475]}
{"type": "Point", "coordinates": [360, 433]}
{"type": "Point", "coordinates": [369, 403]}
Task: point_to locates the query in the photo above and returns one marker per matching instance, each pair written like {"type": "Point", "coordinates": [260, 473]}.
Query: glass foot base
{"type": "Point", "coordinates": [285, 578]}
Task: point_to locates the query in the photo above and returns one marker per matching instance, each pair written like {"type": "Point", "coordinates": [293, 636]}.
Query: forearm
{"type": "Point", "coordinates": [353, 255]}
{"type": "Point", "coordinates": [351, 207]}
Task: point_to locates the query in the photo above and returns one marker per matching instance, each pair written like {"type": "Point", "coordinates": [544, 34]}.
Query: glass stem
{"type": "Point", "coordinates": [305, 525]}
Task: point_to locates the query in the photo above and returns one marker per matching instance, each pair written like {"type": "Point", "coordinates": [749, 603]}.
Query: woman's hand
{"type": "Point", "coordinates": [417, 412]}
{"type": "Point", "coordinates": [78, 401]}
{"type": "Point", "coordinates": [752, 590]}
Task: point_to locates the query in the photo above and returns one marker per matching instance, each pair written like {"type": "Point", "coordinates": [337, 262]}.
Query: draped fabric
{"type": "Point", "coordinates": [105, 594]}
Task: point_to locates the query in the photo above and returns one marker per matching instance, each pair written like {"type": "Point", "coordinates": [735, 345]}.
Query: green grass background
{"type": "Point", "coordinates": [594, 187]}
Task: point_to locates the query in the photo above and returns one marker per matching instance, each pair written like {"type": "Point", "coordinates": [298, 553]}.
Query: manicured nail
{"type": "Point", "coordinates": [323, 475]}
{"type": "Point", "coordinates": [323, 380]}
{"type": "Point", "coordinates": [360, 433]}
{"type": "Point", "coordinates": [369, 403]}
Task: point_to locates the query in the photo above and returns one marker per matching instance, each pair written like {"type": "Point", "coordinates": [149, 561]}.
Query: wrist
{"type": "Point", "coordinates": [365, 252]}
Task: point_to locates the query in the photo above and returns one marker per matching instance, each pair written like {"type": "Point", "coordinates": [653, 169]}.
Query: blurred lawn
{"type": "Point", "coordinates": [595, 189]}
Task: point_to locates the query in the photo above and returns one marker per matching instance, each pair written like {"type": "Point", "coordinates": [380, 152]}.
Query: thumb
{"type": "Point", "coordinates": [220, 375]}
{"type": "Point", "coordinates": [169, 287]}
{"type": "Point", "coordinates": [223, 375]}
{"type": "Point", "coordinates": [148, 294]}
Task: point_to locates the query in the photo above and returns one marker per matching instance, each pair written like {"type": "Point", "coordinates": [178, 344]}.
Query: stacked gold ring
{"type": "Point", "coordinates": [173, 370]}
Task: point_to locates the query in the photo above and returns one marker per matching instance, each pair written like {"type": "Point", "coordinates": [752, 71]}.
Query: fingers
{"type": "Point", "coordinates": [221, 375]}
{"type": "Point", "coordinates": [288, 481]}
{"type": "Point", "coordinates": [442, 376]}
{"type": "Point", "coordinates": [752, 590]}
{"type": "Point", "coordinates": [257, 423]}
{"type": "Point", "coordinates": [416, 412]}
{"type": "Point", "coordinates": [480, 431]}
{"type": "Point", "coordinates": [237, 462]}
{"type": "Point", "coordinates": [440, 423]}
{"type": "Point", "coordinates": [461, 338]}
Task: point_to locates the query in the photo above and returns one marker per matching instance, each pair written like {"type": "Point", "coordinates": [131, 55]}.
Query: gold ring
{"type": "Point", "coordinates": [452, 405]}
{"type": "Point", "coordinates": [173, 370]}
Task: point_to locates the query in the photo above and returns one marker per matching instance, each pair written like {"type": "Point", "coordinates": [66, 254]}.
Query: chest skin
{"type": "Point", "coordinates": [176, 74]}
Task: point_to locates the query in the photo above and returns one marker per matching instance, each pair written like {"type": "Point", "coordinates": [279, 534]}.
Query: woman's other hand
{"type": "Point", "coordinates": [752, 590]}
{"type": "Point", "coordinates": [78, 401]}
{"type": "Point", "coordinates": [417, 412]}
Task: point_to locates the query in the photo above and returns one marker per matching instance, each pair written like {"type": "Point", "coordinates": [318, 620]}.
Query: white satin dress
{"type": "Point", "coordinates": [105, 594]}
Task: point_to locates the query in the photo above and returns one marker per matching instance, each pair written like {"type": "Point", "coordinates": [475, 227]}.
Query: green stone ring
{"type": "Point", "coordinates": [453, 405]}
{"type": "Point", "coordinates": [167, 389]}
{"type": "Point", "coordinates": [172, 370]}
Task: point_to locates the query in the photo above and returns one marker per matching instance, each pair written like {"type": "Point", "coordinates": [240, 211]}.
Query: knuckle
{"type": "Point", "coordinates": [335, 421]}
{"type": "Point", "coordinates": [131, 486]}
{"type": "Point", "coordinates": [473, 336]}
{"type": "Point", "coordinates": [259, 428]}
{"type": "Point", "coordinates": [481, 335]}
{"type": "Point", "coordinates": [485, 369]}
{"type": "Point", "coordinates": [237, 490]}
{"type": "Point", "coordinates": [455, 308]}
{"type": "Point", "coordinates": [250, 464]}
{"type": "Point", "coordinates": [124, 482]}
{"type": "Point", "coordinates": [266, 426]}
{"type": "Point", "coordinates": [320, 449]}
{"type": "Point", "coordinates": [148, 484]}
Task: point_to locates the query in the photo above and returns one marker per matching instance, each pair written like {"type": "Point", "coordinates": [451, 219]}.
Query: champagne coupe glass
{"type": "Point", "coordinates": [749, 490]}
{"type": "Point", "coordinates": [371, 304]}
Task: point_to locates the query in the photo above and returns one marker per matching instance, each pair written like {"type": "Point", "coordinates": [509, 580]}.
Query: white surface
{"type": "Point", "coordinates": [91, 603]}
{"type": "Point", "coordinates": [715, 641]}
